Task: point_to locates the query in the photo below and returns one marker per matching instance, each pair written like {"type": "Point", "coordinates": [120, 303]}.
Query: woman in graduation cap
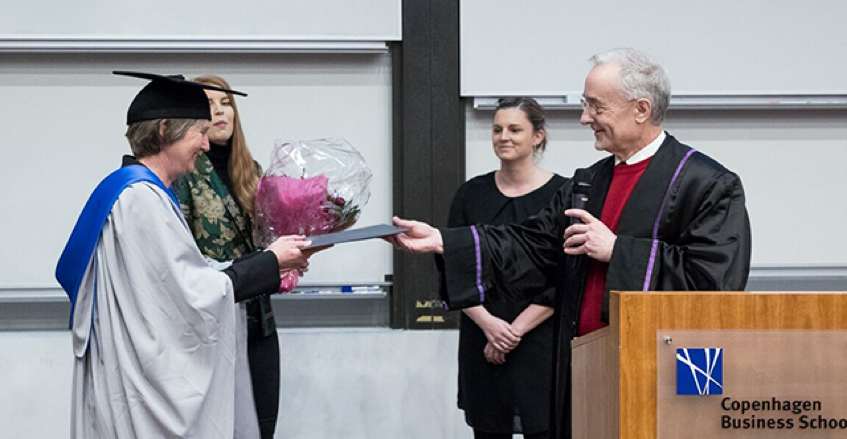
{"type": "Point", "coordinates": [217, 200]}
{"type": "Point", "coordinates": [160, 344]}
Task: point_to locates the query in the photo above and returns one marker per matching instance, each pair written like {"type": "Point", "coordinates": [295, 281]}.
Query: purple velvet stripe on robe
{"type": "Point", "coordinates": [478, 265]}
{"type": "Point", "coordinates": [655, 247]}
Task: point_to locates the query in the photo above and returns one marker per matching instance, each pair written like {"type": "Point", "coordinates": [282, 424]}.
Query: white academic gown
{"type": "Point", "coordinates": [160, 345]}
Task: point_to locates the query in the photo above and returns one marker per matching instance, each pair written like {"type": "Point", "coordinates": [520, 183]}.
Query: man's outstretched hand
{"type": "Point", "coordinates": [420, 237]}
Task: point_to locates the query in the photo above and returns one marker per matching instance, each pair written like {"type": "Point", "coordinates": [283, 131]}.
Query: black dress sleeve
{"type": "Point", "coordinates": [483, 263]}
{"type": "Point", "coordinates": [254, 274]}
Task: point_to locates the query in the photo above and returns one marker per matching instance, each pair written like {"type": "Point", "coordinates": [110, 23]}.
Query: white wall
{"type": "Point", "coordinates": [352, 384]}
{"type": "Point", "coordinates": [35, 392]}
{"type": "Point", "coordinates": [791, 164]}
{"type": "Point", "coordinates": [370, 384]}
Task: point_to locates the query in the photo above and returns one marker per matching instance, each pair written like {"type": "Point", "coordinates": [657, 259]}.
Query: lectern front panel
{"type": "Point", "coordinates": [751, 384]}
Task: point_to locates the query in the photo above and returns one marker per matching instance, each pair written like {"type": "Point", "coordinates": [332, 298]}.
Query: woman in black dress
{"type": "Point", "coordinates": [505, 349]}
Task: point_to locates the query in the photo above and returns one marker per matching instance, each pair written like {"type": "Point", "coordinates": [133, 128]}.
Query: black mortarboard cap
{"type": "Point", "coordinates": [170, 97]}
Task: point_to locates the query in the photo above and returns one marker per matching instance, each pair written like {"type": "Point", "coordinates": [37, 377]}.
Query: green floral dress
{"type": "Point", "coordinates": [221, 228]}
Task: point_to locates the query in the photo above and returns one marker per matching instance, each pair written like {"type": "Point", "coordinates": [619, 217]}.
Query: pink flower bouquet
{"type": "Point", "coordinates": [311, 188]}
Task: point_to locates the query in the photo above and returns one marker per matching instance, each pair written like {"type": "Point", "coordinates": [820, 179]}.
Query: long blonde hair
{"type": "Point", "coordinates": [242, 168]}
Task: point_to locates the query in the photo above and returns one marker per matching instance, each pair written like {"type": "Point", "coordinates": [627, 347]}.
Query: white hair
{"type": "Point", "coordinates": [641, 77]}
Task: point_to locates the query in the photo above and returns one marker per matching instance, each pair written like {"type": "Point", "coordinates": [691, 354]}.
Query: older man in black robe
{"type": "Point", "coordinates": [660, 216]}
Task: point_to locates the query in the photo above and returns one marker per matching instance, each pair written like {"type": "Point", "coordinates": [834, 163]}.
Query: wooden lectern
{"type": "Point", "coordinates": [615, 369]}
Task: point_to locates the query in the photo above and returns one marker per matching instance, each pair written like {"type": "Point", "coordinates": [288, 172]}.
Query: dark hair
{"type": "Point", "coordinates": [146, 140]}
{"type": "Point", "coordinates": [533, 111]}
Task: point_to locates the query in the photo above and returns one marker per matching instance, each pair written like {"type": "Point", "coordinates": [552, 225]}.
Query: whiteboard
{"type": "Point", "coordinates": [64, 123]}
{"type": "Point", "coordinates": [373, 20]}
{"type": "Point", "coordinates": [717, 47]}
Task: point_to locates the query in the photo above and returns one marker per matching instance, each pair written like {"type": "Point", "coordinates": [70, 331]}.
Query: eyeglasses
{"type": "Point", "coordinates": [596, 109]}
{"type": "Point", "coordinates": [592, 108]}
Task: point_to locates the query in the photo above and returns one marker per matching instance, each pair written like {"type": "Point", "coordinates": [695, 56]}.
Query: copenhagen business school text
{"type": "Point", "coordinates": [741, 417]}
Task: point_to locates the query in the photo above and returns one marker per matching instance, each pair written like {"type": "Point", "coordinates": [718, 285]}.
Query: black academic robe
{"type": "Point", "coordinates": [684, 228]}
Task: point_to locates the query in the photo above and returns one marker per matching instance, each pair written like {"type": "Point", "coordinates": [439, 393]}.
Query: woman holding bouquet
{"type": "Point", "coordinates": [158, 338]}
{"type": "Point", "coordinates": [217, 200]}
{"type": "Point", "coordinates": [505, 349]}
